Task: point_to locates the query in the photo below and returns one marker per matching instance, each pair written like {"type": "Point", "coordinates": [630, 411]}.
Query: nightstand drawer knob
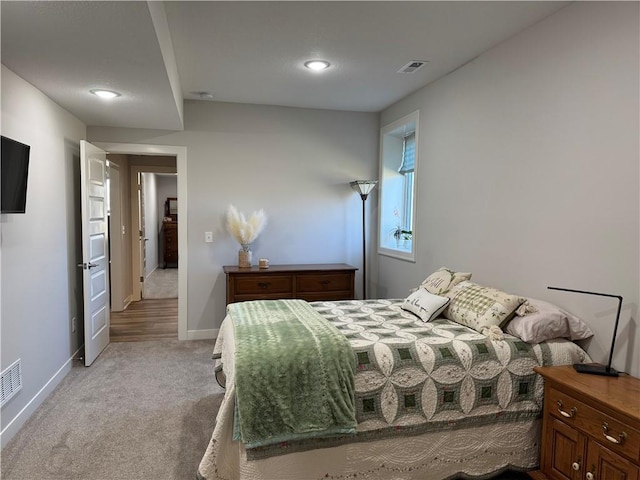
{"type": "Point", "coordinates": [264, 284]}
{"type": "Point", "coordinates": [618, 441]}
{"type": "Point", "coordinates": [590, 476]}
{"type": "Point", "coordinates": [564, 413]}
{"type": "Point", "coordinates": [575, 466]}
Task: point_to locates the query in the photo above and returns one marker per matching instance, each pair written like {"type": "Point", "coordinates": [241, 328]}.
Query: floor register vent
{"type": "Point", "coordinates": [11, 381]}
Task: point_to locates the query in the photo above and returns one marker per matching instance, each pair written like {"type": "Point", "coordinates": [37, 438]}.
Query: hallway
{"type": "Point", "coordinates": [146, 320]}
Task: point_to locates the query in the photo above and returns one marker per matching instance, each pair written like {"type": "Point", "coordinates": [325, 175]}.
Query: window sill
{"type": "Point", "coordinates": [399, 253]}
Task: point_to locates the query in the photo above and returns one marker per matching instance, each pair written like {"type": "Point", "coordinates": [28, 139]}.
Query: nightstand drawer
{"type": "Point", "coordinates": [617, 436]}
{"type": "Point", "coordinates": [323, 283]}
{"type": "Point", "coordinates": [267, 284]}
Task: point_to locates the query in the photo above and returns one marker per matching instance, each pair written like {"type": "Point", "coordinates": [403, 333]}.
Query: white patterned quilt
{"type": "Point", "coordinates": [413, 380]}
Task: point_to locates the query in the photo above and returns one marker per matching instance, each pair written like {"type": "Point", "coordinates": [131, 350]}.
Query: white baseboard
{"type": "Point", "coordinates": [127, 301]}
{"type": "Point", "coordinates": [202, 334]}
{"type": "Point", "coordinates": [23, 415]}
{"type": "Point", "coordinates": [154, 269]}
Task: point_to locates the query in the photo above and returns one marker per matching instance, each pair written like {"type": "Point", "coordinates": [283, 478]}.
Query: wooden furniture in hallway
{"type": "Point", "coordinates": [146, 320]}
{"type": "Point", "coordinates": [169, 243]}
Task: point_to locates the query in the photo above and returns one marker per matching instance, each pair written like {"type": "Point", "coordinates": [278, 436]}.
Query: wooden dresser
{"type": "Point", "coordinates": [312, 282]}
{"type": "Point", "coordinates": [591, 426]}
{"type": "Point", "coordinates": [170, 243]}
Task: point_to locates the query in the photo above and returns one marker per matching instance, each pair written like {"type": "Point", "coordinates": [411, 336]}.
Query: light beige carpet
{"type": "Point", "coordinates": [162, 283]}
{"type": "Point", "coordinates": [142, 411]}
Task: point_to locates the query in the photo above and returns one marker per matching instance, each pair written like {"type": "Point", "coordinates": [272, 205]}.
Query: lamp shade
{"type": "Point", "coordinates": [363, 187]}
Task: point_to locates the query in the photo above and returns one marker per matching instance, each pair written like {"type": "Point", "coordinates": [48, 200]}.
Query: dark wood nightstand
{"type": "Point", "coordinates": [334, 281]}
{"type": "Point", "coordinates": [591, 426]}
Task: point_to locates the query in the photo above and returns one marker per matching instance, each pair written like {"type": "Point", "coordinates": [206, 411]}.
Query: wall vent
{"type": "Point", "coordinates": [413, 66]}
{"type": "Point", "coordinates": [11, 381]}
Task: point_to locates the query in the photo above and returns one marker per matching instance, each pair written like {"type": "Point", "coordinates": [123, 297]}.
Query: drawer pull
{"type": "Point", "coordinates": [590, 476]}
{"type": "Point", "coordinates": [575, 466]}
{"type": "Point", "coordinates": [618, 441]}
{"type": "Point", "coordinates": [264, 284]}
{"type": "Point", "coordinates": [325, 282]}
{"type": "Point", "coordinates": [571, 413]}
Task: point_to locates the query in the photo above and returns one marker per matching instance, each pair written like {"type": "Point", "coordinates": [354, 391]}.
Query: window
{"type": "Point", "coordinates": [398, 165]}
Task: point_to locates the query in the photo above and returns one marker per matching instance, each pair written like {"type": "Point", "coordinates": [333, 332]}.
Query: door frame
{"type": "Point", "coordinates": [136, 261]}
{"type": "Point", "coordinates": [116, 244]}
{"type": "Point", "coordinates": [181, 166]}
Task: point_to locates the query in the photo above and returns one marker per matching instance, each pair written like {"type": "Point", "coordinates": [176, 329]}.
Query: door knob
{"type": "Point", "coordinates": [86, 266]}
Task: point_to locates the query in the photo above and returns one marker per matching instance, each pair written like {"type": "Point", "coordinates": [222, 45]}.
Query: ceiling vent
{"type": "Point", "coordinates": [413, 66]}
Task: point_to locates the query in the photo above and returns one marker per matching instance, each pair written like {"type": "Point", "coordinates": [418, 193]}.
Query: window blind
{"type": "Point", "coordinates": [408, 154]}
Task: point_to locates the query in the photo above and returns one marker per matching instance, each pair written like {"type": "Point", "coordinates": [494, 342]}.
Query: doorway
{"type": "Point", "coordinates": [179, 153]}
{"type": "Point", "coordinates": [137, 224]}
{"type": "Point", "coordinates": [147, 219]}
{"type": "Point", "coordinates": [158, 217]}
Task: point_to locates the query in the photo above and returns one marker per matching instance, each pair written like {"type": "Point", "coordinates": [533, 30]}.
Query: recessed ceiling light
{"type": "Point", "coordinates": [105, 93]}
{"type": "Point", "coordinates": [317, 65]}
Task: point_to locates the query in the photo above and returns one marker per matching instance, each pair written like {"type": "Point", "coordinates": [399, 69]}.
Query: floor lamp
{"type": "Point", "coordinates": [364, 187]}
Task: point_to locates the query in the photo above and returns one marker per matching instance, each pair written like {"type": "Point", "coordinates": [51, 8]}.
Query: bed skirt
{"type": "Point", "coordinates": [432, 456]}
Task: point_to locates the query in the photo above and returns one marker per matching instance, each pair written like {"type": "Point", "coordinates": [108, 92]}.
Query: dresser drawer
{"type": "Point", "coordinates": [267, 284]}
{"type": "Point", "coordinates": [323, 283]}
{"type": "Point", "coordinates": [617, 436]}
{"type": "Point", "coordinates": [325, 296]}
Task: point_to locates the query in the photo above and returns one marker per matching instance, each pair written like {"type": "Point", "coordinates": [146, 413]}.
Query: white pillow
{"type": "Point", "coordinates": [548, 322]}
{"type": "Point", "coordinates": [443, 280]}
{"type": "Point", "coordinates": [425, 305]}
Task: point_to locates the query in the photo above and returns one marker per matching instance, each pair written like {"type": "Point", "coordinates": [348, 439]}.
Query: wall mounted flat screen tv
{"type": "Point", "coordinates": [15, 168]}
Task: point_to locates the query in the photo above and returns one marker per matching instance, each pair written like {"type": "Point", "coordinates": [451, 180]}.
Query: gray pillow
{"type": "Point", "coordinates": [547, 323]}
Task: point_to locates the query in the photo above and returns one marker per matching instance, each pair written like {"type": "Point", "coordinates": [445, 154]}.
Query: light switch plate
{"type": "Point", "coordinates": [208, 237]}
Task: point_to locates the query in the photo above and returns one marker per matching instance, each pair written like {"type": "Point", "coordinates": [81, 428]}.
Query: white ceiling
{"type": "Point", "coordinates": [244, 51]}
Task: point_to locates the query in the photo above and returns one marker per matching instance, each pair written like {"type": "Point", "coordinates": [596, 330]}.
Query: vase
{"type": "Point", "coordinates": [244, 255]}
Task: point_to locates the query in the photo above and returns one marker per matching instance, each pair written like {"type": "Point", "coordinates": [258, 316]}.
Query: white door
{"type": "Point", "coordinates": [95, 253]}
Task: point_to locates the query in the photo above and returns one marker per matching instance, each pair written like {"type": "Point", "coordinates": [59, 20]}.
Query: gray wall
{"type": "Point", "coordinates": [294, 163]}
{"type": "Point", "coordinates": [41, 285]}
{"type": "Point", "coordinates": [529, 170]}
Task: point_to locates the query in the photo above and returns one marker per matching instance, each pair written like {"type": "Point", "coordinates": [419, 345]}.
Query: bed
{"type": "Point", "coordinates": [433, 400]}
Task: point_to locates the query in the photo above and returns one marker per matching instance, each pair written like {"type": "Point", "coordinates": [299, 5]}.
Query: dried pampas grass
{"type": "Point", "coordinates": [243, 230]}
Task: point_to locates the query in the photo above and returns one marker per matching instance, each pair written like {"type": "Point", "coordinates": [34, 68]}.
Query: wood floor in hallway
{"type": "Point", "coordinates": [146, 320]}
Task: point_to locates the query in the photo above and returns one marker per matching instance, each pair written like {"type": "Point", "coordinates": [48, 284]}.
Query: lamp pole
{"type": "Point", "coordinates": [364, 250]}
{"type": "Point", "coordinates": [364, 187]}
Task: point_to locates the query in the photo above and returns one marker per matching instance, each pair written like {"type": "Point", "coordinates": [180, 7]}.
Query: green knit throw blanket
{"type": "Point", "coordinates": [294, 373]}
